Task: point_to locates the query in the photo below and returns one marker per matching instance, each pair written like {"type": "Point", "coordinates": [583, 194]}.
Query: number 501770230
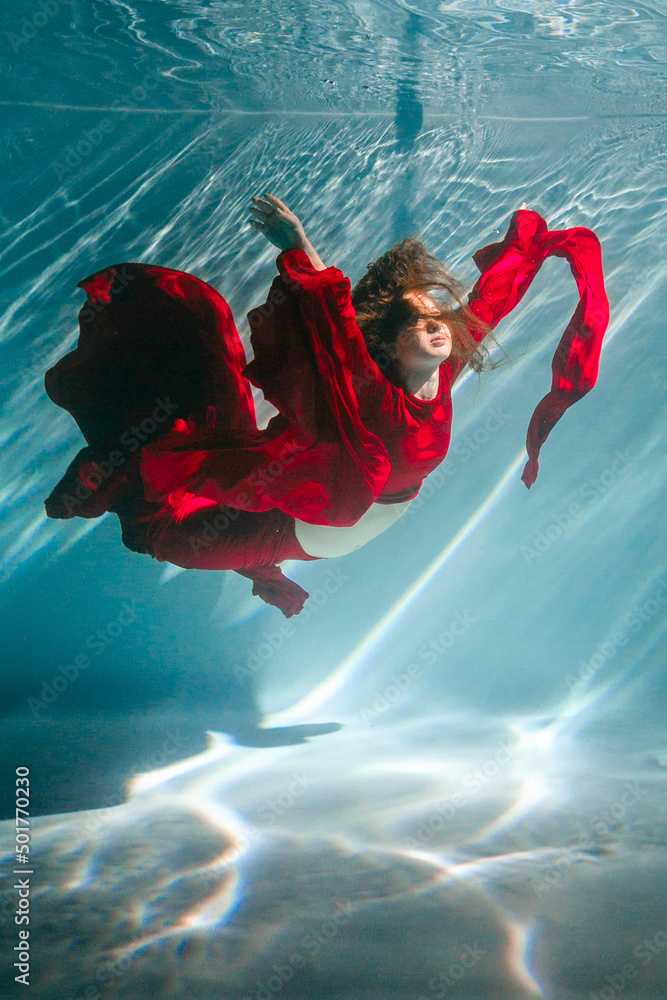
{"type": "Point", "coordinates": [22, 814]}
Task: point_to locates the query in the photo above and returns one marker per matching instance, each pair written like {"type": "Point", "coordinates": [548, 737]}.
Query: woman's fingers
{"type": "Point", "coordinates": [263, 205]}
{"type": "Point", "coordinates": [274, 220]}
{"type": "Point", "coordinates": [275, 202]}
{"type": "Point", "coordinates": [259, 213]}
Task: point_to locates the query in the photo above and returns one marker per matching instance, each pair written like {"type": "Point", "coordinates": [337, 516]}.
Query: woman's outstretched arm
{"type": "Point", "coordinates": [281, 227]}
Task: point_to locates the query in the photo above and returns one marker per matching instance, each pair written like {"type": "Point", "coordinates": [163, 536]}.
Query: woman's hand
{"type": "Point", "coordinates": [281, 227]}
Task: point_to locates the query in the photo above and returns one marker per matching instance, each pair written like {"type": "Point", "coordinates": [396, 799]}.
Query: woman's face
{"type": "Point", "coordinates": [422, 338]}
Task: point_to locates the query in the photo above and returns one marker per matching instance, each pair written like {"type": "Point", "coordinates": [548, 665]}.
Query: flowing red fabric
{"type": "Point", "coordinates": [508, 269]}
{"type": "Point", "coordinates": [160, 388]}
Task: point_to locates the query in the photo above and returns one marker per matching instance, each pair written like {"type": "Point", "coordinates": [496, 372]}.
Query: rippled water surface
{"type": "Point", "coordinates": [446, 778]}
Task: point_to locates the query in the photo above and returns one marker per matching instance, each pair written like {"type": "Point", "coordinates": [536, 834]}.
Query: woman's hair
{"type": "Point", "coordinates": [382, 309]}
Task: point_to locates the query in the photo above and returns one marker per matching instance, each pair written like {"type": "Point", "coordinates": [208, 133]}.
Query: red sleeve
{"type": "Point", "coordinates": [508, 268]}
{"type": "Point", "coordinates": [320, 303]}
{"type": "Point", "coordinates": [311, 362]}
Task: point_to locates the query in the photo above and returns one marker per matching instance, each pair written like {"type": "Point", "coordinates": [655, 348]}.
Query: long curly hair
{"type": "Point", "coordinates": [382, 309]}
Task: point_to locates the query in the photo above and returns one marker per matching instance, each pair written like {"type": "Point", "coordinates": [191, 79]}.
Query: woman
{"type": "Point", "coordinates": [362, 382]}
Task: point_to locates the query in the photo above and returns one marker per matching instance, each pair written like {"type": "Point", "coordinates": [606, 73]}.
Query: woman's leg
{"type": "Point", "coordinates": [196, 533]}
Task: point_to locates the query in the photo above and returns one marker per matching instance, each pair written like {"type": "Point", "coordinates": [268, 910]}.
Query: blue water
{"type": "Point", "coordinates": [446, 778]}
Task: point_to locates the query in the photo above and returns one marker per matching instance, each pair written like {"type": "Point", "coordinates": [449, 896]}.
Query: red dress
{"type": "Point", "coordinates": [155, 340]}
